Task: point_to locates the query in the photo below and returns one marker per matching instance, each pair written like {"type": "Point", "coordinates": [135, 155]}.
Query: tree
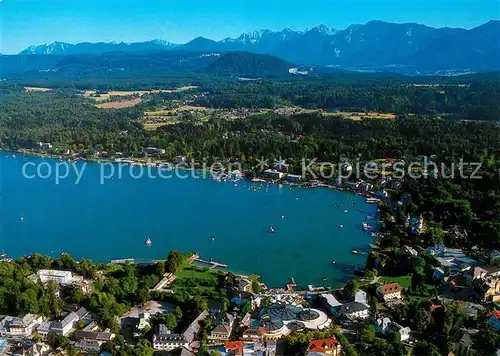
{"type": "Point", "coordinates": [256, 287]}
{"type": "Point", "coordinates": [351, 288]}
{"type": "Point", "coordinates": [178, 312]}
{"type": "Point", "coordinates": [174, 261]}
{"type": "Point", "coordinates": [246, 307]}
{"type": "Point", "coordinates": [436, 235]}
{"type": "Point", "coordinates": [170, 321]}
{"type": "Point", "coordinates": [422, 319]}
{"type": "Point", "coordinates": [143, 348]}
{"type": "Point", "coordinates": [143, 295]}
{"type": "Point", "coordinates": [367, 334]}
{"type": "Point", "coordinates": [160, 268]}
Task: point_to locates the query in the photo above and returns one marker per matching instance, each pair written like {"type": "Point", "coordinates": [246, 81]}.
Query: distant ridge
{"type": "Point", "coordinates": [374, 46]}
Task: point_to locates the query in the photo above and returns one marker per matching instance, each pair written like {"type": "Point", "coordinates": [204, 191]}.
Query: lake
{"type": "Point", "coordinates": [109, 221]}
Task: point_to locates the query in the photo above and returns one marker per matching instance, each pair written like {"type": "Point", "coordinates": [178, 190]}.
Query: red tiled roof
{"type": "Point", "coordinates": [495, 313]}
{"type": "Point", "coordinates": [390, 288]}
{"type": "Point", "coordinates": [322, 345]}
{"type": "Point", "coordinates": [233, 345]}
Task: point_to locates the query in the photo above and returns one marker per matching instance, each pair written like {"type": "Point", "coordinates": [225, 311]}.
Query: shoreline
{"type": "Point", "coordinates": [168, 165]}
{"type": "Point", "coordinates": [307, 184]}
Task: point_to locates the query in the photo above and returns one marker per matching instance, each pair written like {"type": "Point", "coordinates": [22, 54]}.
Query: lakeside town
{"type": "Point", "coordinates": [177, 306]}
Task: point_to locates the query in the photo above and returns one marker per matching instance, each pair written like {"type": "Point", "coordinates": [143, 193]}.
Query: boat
{"type": "Point", "coordinates": [21, 218]}
{"type": "Point", "coordinates": [271, 229]}
{"type": "Point", "coordinates": [148, 241]}
{"type": "Point", "coordinates": [355, 252]}
{"type": "Point", "coordinates": [374, 234]}
{"type": "Point", "coordinates": [366, 226]}
{"type": "Point", "coordinates": [282, 216]}
{"type": "Point", "coordinates": [212, 238]}
{"type": "Point", "coordinates": [296, 198]}
{"type": "Point", "coordinates": [341, 225]}
{"type": "Point", "coordinates": [372, 200]}
{"type": "Point", "coordinates": [346, 211]}
{"type": "Point", "coordinates": [334, 262]}
{"type": "Point", "coordinates": [324, 279]}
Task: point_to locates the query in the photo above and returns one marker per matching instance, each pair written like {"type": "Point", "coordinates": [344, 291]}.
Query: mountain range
{"type": "Point", "coordinates": [375, 46]}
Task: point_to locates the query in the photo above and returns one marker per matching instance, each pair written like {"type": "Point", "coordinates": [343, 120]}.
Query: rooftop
{"type": "Point", "coordinates": [352, 307]}
{"type": "Point", "coordinates": [390, 288]}
{"type": "Point", "coordinates": [331, 300]}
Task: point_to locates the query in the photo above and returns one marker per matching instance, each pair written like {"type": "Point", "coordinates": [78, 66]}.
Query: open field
{"type": "Point", "coordinates": [108, 95]}
{"type": "Point", "coordinates": [170, 112]}
{"type": "Point", "coordinates": [119, 104]}
{"type": "Point", "coordinates": [31, 89]}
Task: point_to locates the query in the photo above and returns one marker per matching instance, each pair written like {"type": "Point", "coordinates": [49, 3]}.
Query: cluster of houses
{"type": "Point", "coordinates": [77, 323]}
{"type": "Point", "coordinates": [358, 310]}
{"type": "Point", "coordinates": [466, 274]}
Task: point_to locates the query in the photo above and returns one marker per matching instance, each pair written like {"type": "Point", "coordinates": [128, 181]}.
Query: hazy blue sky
{"type": "Point", "coordinates": [27, 22]}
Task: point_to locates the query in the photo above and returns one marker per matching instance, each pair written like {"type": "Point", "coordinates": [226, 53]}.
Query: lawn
{"type": "Point", "coordinates": [190, 271]}
{"type": "Point", "coordinates": [196, 279]}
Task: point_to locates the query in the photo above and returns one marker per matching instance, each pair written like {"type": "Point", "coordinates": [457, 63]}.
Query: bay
{"type": "Point", "coordinates": [109, 221]}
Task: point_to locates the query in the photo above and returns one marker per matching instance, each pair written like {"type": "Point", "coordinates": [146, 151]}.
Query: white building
{"type": "Point", "coordinates": [404, 332]}
{"type": "Point", "coordinates": [165, 340]}
{"type": "Point", "coordinates": [61, 277]}
{"type": "Point", "coordinates": [25, 326]}
{"type": "Point", "coordinates": [390, 291]}
{"type": "Point", "coordinates": [361, 297]}
{"type": "Point", "coordinates": [354, 310]}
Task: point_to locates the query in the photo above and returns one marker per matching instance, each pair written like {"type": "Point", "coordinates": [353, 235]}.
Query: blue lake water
{"type": "Point", "coordinates": [109, 221]}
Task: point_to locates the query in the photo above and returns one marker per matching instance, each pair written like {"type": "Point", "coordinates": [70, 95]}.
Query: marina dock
{"type": "Point", "coordinates": [212, 264]}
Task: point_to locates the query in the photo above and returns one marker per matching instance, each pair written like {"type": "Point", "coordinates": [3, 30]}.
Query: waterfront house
{"type": "Point", "coordinates": [354, 310]}
{"type": "Point", "coordinates": [293, 177]}
{"type": "Point", "coordinates": [154, 151]}
{"type": "Point", "coordinates": [44, 145]}
{"type": "Point", "coordinates": [364, 187]}
{"type": "Point", "coordinates": [351, 185]}
{"type": "Point", "coordinates": [494, 319]}
{"type": "Point", "coordinates": [332, 303]}
{"type": "Point", "coordinates": [390, 291]}
{"type": "Point", "coordinates": [272, 174]}
{"type": "Point", "coordinates": [164, 339]}
{"type": "Point", "coordinates": [244, 284]}
{"type": "Point", "coordinates": [328, 346]}
{"type": "Point", "coordinates": [180, 159]}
